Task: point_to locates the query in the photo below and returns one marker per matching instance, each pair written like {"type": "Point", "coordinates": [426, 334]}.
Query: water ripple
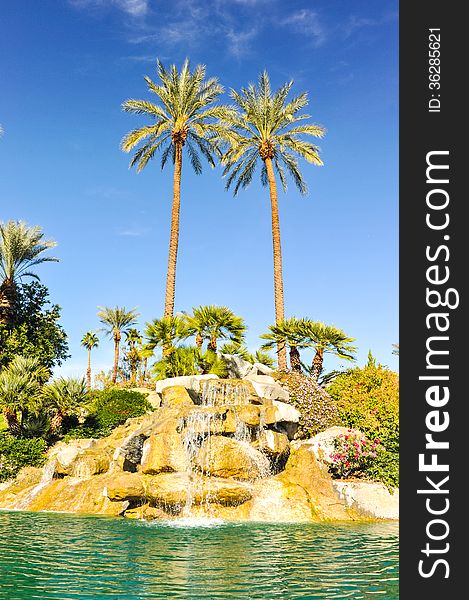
{"type": "Point", "coordinates": [68, 557]}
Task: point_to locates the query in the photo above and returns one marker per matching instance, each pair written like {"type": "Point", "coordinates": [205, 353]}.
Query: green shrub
{"type": "Point", "coordinates": [317, 409]}
{"type": "Point", "coordinates": [189, 360]}
{"type": "Point", "coordinates": [110, 408]}
{"type": "Point", "coordinates": [368, 399]}
{"type": "Point", "coordinates": [16, 453]}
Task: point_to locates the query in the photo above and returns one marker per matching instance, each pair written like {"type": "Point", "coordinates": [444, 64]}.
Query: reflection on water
{"type": "Point", "coordinates": [44, 555]}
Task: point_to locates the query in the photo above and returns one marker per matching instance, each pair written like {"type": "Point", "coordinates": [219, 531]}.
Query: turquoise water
{"type": "Point", "coordinates": [45, 555]}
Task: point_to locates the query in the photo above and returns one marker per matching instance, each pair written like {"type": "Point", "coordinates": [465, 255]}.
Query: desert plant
{"type": "Point", "coordinates": [317, 409]}
{"type": "Point", "coordinates": [266, 127]}
{"type": "Point", "coordinates": [90, 340]}
{"type": "Point", "coordinates": [20, 390]}
{"type": "Point", "coordinates": [367, 399]}
{"type": "Point", "coordinates": [109, 409]}
{"type": "Point", "coordinates": [183, 118]}
{"type": "Point", "coordinates": [116, 320]}
{"type": "Point", "coordinates": [214, 323]}
{"type": "Point", "coordinates": [64, 396]}
{"type": "Point", "coordinates": [21, 249]}
{"type": "Point", "coordinates": [165, 333]}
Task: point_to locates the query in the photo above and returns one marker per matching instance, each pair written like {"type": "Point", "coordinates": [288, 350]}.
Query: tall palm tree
{"type": "Point", "coordinates": [165, 333]}
{"type": "Point", "coordinates": [21, 249]}
{"type": "Point", "coordinates": [20, 386]}
{"type": "Point", "coordinates": [213, 323]}
{"type": "Point", "coordinates": [90, 340]}
{"type": "Point", "coordinates": [64, 397]}
{"type": "Point", "coordinates": [327, 339]}
{"type": "Point", "coordinates": [184, 117]}
{"type": "Point", "coordinates": [291, 332]}
{"type": "Point", "coordinates": [116, 320]}
{"type": "Point", "coordinates": [266, 128]}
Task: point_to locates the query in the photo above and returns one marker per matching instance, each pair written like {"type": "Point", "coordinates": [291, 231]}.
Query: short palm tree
{"type": "Point", "coordinates": [327, 339]}
{"type": "Point", "coordinates": [20, 386]}
{"type": "Point", "coordinates": [64, 397]}
{"type": "Point", "coordinates": [165, 333]}
{"type": "Point", "coordinates": [116, 320]}
{"type": "Point", "coordinates": [213, 323]}
{"type": "Point", "coordinates": [133, 338]}
{"type": "Point", "coordinates": [267, 128]}
{"type": "Point", "coordinates": [22, 248]}
{"type": "Point", "coordinates": [89, 341]}
{"type": "Point", "coordinates": [184, 117]}
{"type": "Point", "coordinates": [291, 331]}
{"type": "Point", "coordinates": [145, 354]}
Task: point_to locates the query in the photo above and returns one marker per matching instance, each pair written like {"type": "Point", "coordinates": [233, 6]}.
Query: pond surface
{"type": "Point", "coordinates": [46, 555]}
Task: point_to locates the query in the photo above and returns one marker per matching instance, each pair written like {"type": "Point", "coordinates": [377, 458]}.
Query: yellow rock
{"type": "Point", "coordinates": [126, 486]}
{"type": "Point", "coordinates": [164, 452]}
{"type": "Point", "coordinates": [225, 457]}
{"type": "Point", "coordinates": [176, 396]}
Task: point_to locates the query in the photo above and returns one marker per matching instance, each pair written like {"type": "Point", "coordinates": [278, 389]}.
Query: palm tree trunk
{"type": "Point", "coordinates": [117, 339]}
{"type": "Point", "coordinates": [277, 249]}
{"type": "Point", "coordinates": [12, 421]}
{"type": "Point", "coordinates": [88, 370]}
{"type": "Point", "coordinates": [144, 373]}
{"type": "Point", "coordinates": [174, 234]}
{"type": "Point", "coordinates": [212, 345]}
{"type": "Point", "coordinates": [199, 340]}
{"type": "Point", "coordinates": [295, 362]}
{"type": "Point", "coordinates": [56, 421]}
{"type": "Point", "coordinates": [8, 297]}
{"type": "Point", "coordinates": [316, 367]}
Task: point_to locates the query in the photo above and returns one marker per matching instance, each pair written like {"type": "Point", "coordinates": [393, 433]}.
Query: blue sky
{"type": "Point", "coordinates": [65, 68]}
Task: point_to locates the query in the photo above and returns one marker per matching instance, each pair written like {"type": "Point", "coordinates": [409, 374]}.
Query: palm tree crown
{"type": "Point", "coordinates": [90, 340]}
{"type": "Point", "coordinates": [21, 249]}
{"type": "Point", "coordinates": [64, 396]}
{"type": "Point", "coordinates": [292, 332]}
{"type": "Point", "coordinates": [165, 333]}
{"type": "Point", "coordinates": [265, 127]}
{"type": "Point", "coordinates": [115, 321]}
{"type": "Point", "coordinates": [184, 117]}
{"type": "Point", "coordinates": [327, 339]}
{"type": "Point", "coordinates": [215, 322]}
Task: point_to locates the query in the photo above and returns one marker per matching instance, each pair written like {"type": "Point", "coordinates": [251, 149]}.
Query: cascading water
{"type": "Point", "coordinates": [218, 414]}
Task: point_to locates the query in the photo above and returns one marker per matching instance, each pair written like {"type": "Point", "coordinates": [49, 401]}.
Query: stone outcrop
{"type": "Point", "coordinates": [217, 448]}
{"type": "Point", "coordinates": [369, 499]}
{"type": "Point", "coordinates": [226, 457]}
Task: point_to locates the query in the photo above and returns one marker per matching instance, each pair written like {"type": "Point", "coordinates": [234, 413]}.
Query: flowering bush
{"type": "Point", "coordinates": [367, 399]}
{"type": "Point", "coordinates": [353, 454]}
{"type": "Point", "coordinates": [318, 410]}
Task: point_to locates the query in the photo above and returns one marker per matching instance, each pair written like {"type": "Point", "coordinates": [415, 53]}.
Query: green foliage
{"type": "Point", "coordinates": [17, 453]}
{"type": "Point", "coordinates": [110, 408]}
{"type": "Point", "coordinates": [21, 248]}
{"type": "Point", "coordinates": [36, 331]}
{"type": "Point", "coordinates": [318, 411]}
{"type": "Point", "coordinates": [213, 323]}
{"type": "Point", "coordinates": [185, 114]}
{"type": "Point", "coordinates": [266, 125]}
{"type": "Point", "coordinates": [238, 349]}
{"type": "Point", "coordinates": [368, 400]}
{"type": "Point", "coordinates": [189, 360]}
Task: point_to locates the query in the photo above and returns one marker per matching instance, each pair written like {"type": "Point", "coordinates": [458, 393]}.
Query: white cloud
{"type": "Point", "coordinates": [307, 22]}
{"type": "Point", "coordinates": [238, 41]}
{"type": "Point", "coordinates": [355, 23]}
{"type": "Point", "coordinates": [134, 8]}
